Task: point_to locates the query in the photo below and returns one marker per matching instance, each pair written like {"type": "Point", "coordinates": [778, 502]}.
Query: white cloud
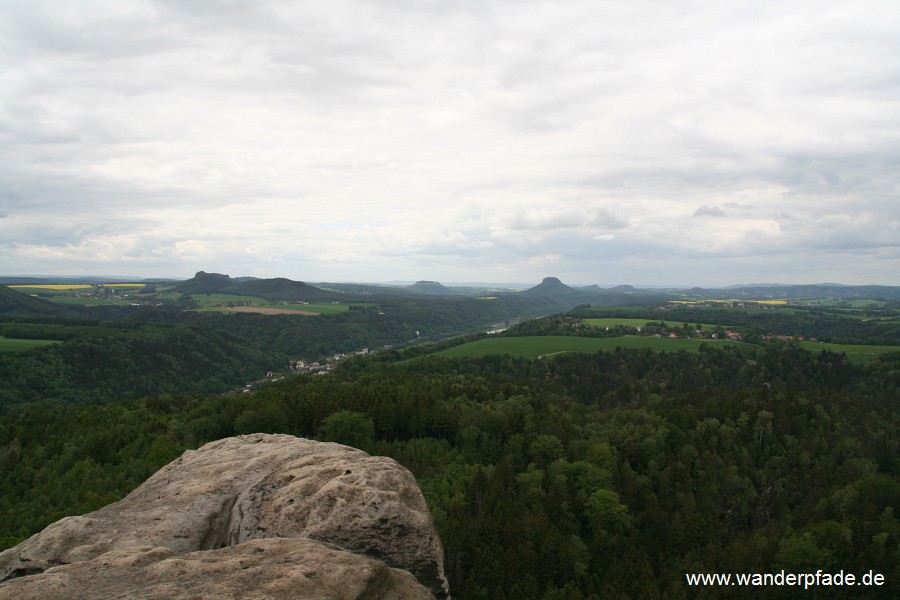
{"type": "Point", "coordinates": [709, 211]}
{"type": "Point", "coordinates": [461, 138]}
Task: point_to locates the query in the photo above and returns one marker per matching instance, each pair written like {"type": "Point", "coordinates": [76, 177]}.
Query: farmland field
{"type": "Point", "coordinates": [168, 295]}
{"type": "Point", "coordinates": [50, 290]}
{"type": "Point", "coordinates": [322, 309]}
{"type": "Point", "coordinates": [55, 287]}
{"type": "Point", "coordinates": [534, 346]}
{"type": "Point", "coordinates": [731, 301]}
{"type": "Point", "coordinates": [18, 345]}
{"type": "Point", "coordinates": [217, 299]}
{"type": "Point", "coordinates": [857, 353]}
{"type": "Point", "coordinates": [841, 302]}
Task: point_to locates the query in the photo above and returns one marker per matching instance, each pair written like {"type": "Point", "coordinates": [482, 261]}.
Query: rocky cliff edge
{"type": "Point", "coordinates": [261, 516]}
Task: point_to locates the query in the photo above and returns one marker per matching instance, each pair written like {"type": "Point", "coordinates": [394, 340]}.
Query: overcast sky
{"type": "Point", "coordinates": [608, 142]}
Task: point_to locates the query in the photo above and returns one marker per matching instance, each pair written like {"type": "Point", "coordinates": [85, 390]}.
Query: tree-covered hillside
{"type": "Point", "coordinates": [14, 304]}
{"type": "Point", "coordinates": [606, 475]}
{"type": "Point", "coordinates": [156, 349]}
{"type": "Point", "coordinates": [582, 475]}
{"type": "Point", "coordinates": [99, 363]}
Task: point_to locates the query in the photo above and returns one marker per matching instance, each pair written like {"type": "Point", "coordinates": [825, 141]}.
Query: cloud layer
{"type": "Point", "coordinates": [601, 142]}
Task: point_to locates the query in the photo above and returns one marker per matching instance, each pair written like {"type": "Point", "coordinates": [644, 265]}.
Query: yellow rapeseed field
{"type": "Point", "coordinates": [55, 286]}
{"type": "Point", "coordinates": [769, 302]}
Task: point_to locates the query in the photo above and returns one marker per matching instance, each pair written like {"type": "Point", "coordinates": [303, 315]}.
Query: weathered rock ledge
{"type": "Point", "coordinates": [262, 516]}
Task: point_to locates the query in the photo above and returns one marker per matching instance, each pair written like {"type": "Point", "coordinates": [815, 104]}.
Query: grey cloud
{"type": "Point", "coordinates": [605, 219]}
{"type": "Point", "coordinates": [709, 211]}
{"type": "Point", "coordinates": [847, 232]}
{"type": "Point", "coordinates": [544, 219]}
{"type": "Point", "coordinates": [462, 248]}
{"type": "Point", "coordinates": [549, 219]}
{"type": "Point", "coordinates": [99, 33]}
{"type": "Point", "coordinates": [579, 132]}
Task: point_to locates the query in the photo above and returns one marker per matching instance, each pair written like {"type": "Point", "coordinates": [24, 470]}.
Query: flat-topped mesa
{"type": "Point", "coordinates": [267, 516]}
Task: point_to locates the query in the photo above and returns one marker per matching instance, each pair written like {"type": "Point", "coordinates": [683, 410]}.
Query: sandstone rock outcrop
{"type": "Point", "coordinates": [262, 516]}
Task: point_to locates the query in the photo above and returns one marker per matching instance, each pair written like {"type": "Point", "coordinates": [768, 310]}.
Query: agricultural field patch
{"type": "Point", "coordinates": [206, 300]}
{"type": "Point", "coordinates": [731, 301]}
{"type": "Point", "coordinates": [123, 285]}
{"type": "Point", "coordinates": [841, 302]}
{"type": "Point", "coordinates": [50, 290]}
{"type": "Point", "coordinates": [58, 287]}
{"type": "Point", "coordinates": [19, 345]}
{"type": "Point", "coordinates": [322, 309]}
{"type": "Point", "coordinates": [857, 353]}
{"type": "Point", "coordinates": [534, 346]}
{"type": "Point", "coordinates": [881, 320]}
{"type": "Point", "coordinates": [168, 296]}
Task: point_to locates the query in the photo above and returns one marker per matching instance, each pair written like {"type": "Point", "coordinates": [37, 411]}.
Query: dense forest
{"type": "Point", "coordinates": [97, 362]}
{"type": "Point", "coordinates": [606, 475]}
{"type": "Point", "coordinates": [579, 475]}
{"type": "Point", "coordinates": [166, 350]}
{"type": "Point", "coordinates": [393, 321]}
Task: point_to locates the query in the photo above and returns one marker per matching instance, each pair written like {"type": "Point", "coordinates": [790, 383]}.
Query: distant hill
{"type": "Point", "coordinates": [432, 288]}
{"type": "Point", "coordinates": [551, 287]}
{"type": "Point", "coordinates": [19, 305]}
{"type": "Point", "coordinates": [591, 289]}
{"type": "Point", "coordinates": [286, 289]}
{"type": "Point", "coordinates": [278, 288]}
{"type": "Point", "coordinates": [207, 283]}
{"type": "Point", "coordinates": [368, 291]}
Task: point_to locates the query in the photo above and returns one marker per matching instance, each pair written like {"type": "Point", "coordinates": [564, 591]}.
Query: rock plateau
{"type": "Point", "coordinates": [257, 516]}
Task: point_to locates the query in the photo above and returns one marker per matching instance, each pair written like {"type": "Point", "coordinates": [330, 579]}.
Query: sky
{"type": "Point", "coordinates": [603, 142]}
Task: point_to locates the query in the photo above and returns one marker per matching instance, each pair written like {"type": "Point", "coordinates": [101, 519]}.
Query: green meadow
{"type": "Point", "coordinates": [534, 346]}
{"type": "Point", "coordinates": [322, 309]}
{"type": "Point", "coordinates": [840, 302]}
{"type": "Point", "coordinates": [47, 291]}
{"type": "Point", "coordinates": [18, 345]}
{"type": "Point", "coordinates": [857, 353]}
{"type": "Point", "coordinates": [205, 300]}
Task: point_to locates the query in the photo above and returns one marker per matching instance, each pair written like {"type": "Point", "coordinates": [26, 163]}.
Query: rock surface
{"type": "Point", "coordinates": [262, 516]}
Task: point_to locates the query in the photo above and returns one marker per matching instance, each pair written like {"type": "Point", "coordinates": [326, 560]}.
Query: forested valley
{"type": "Point", "coordinates": [131, 354]}
{"type": "Point", "coordinates": [572, 475]}
{"type": "Point", "coordinates": [605, 475]}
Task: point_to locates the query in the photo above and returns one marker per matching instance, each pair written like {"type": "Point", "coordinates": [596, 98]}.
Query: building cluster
{"type": "Point", "coordinates": [302, 365]}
